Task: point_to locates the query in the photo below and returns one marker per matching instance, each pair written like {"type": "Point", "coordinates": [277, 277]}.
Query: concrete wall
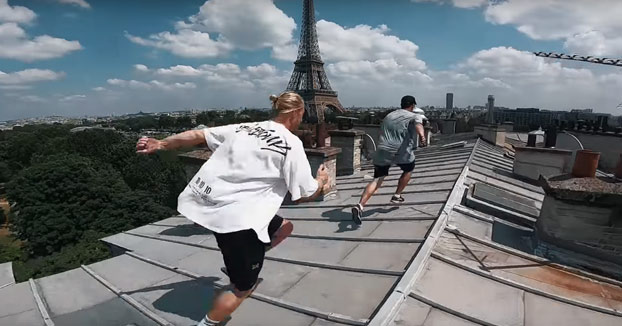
{"type": "Point", "coordinates": [531, 162]}
{"type": "Point", "coordinates": [350, 142]}
{"type": "Point", "coordinates": [610, 147]}
{"type": "Point", "coordinates": [592, 230]}
{"type": "Point", "coordinates": [371, 130]}
{"type": "Point", "coordinates": [492, 134]}
{"type": "Point", "coordinates": [330, 163]}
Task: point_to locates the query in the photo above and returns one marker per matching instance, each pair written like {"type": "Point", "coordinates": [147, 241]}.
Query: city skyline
{"type": "Point", "coordinates": [92, 58]}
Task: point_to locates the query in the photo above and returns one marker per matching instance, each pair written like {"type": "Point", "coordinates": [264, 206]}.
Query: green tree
{"type": "Point", "coordinates": [60, 199]}
{"type": "Point", "coordinates": [166, 122]}
{"type": "Point", "coordinates": [184, 122]}
{"type": "Point", "coordinates": [203, 118]}
{"type": "Point", "coordinates": [86, 251]}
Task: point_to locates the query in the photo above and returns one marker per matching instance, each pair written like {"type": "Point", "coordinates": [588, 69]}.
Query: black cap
{"type": "Point", "coordinates": [408, 101]}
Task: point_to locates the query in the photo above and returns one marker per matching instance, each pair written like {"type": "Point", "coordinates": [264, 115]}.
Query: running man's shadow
{"type": "Point", "coordinates": [186, 230]}
{"type": "Point", "coordinates": [191, 299]}
{"type": "Point", "coordinates": [344, 217]}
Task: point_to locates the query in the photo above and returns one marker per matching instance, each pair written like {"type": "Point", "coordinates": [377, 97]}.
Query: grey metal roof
{"type": "Point", "coordinates": [436, 259]}
{"type": "Point", "coordinates": [6, 274]}
{"type": "Point", "coordinates": [475, 273]}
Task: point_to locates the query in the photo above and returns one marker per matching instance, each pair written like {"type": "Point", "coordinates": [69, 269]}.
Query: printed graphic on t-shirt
{"type": "Point", "coordinates": [274, 142]}
{"type": "Point", "coordinates": [200, 188]}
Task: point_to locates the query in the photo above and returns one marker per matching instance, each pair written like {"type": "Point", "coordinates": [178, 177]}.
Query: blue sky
{"type": "Point", "coordinates": [79, 57]}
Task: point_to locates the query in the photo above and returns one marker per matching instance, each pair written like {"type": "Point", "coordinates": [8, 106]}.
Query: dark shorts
{"type": "Point", "coordinates": [244, 253]}
{"type": "Point", "coordinates": [383, 170]}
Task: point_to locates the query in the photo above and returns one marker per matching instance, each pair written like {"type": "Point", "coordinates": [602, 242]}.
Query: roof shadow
{"type": "Point", "coordinates": [344, 218]}
{"type": "Point", "coordinates": [190, 299]}
{"type": "Point", "coordinates": [186, 230]}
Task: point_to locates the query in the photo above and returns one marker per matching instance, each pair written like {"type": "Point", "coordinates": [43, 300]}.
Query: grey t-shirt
{"type": "Point", "coordinates": [398, 138]}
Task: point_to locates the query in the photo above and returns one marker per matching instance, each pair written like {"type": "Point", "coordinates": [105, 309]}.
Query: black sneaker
{"type": "Point", "coordinates": [396, 200]}
{"type": "Point", "coordinates": [357, 213]}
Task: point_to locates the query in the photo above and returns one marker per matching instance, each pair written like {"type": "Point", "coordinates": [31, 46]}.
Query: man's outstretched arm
{"type": "Point", "coordinates": [322, 180]}
{"type": "Point", "coordinates": [185, 139]}
{"type": "Point", "coordinates": [421, 132]}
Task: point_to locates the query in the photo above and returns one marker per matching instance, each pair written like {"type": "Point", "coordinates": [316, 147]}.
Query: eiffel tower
{"type": "Point", "coordinates": [309, 78]}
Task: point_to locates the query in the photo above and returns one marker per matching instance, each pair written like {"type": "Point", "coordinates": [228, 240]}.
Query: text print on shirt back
{"type": "Point", "coordinates": [274, 143]}
{"type": "Point", "coordinates": [200, 189]}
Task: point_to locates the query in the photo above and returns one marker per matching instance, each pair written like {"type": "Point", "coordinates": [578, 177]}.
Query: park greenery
{"type": "Point", "coordinates": [68, 190]}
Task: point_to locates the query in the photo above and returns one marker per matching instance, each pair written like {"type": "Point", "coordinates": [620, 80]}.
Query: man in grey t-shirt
{"type": "Point", "coordinates": [397, 145]}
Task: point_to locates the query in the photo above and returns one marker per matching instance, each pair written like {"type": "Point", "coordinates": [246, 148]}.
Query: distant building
{"type": "Point", "coordinates": [527, 118]}
{"type": "Point", "coordinates": [450, 101]}
{"type": "Point", "coordinates": [582, 111]}
{"type": "Point", "coordinates": [490, 116]}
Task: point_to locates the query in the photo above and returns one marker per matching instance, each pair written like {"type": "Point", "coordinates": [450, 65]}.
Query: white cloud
{"type": "Point", "coordinates": [459, 3]}
{"type": "Point", "coordinates": [16, 44]}
{"type": "Point", "coordinates": [363, 42]}
{"type": "Point", "coordinates": [518, 78]}
{"type": "Point", "coordinates": [29, 76]}
{"type": "Point", "coordinates": [154, 84]}
{"type": "Point", "coordinates": [286, 52]}
{"type": "Point", "coordinates": [594, 43]}
{"type": "Point", "coordinates": [246, 24]}
{"type": "Point", "coordinates": [15, 14]}
{"type": "Point", "coordinates": [179, 70]}
{"type": "Point", "coordinates": [586, 27]}
{"type": "Point", "coordinates": [99, 89]}
{"type": "Point", "coordinates": [141, 68]}
{"type": "Point", "coordinates": [32, 98]}
{"type": "Point", "coordinates": [76, 97]}
{"type": "Point", "coordinates": [185, 43]}
{"type": "Point", "coordinates": [15, 87]}
{"type": "Point", "coordinates": [222, 26]}
{"type": "Point", "coordinates": [79, 3]}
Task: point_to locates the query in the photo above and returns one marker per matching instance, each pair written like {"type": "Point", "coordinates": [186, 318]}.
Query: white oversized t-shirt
{"type": "Point", "coordinates": [244, 182]}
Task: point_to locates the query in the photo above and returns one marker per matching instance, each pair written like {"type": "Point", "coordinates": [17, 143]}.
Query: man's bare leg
{"type": "Point", "coordinates": [403, 182]}
{"type": "Point", "coordinates": [282, 233]}
{"type": "Point", "coordinates": [224, 305]}
{"type": "Point", "coordinates": [370, 190]}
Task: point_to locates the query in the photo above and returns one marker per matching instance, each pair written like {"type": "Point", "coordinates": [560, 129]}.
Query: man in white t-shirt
{"type": "Point", "coordinates": [238, 191]}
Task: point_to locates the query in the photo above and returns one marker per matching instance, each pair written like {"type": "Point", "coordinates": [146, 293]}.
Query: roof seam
{"type": "Point", "coordinates": [270, 300]}
{"type": "Point", "coordinates": [406, 204]}
{"type": "Point", "coordinates": [448, 310]}
{"type": "Point", "coordinates": [533, 258]}
{"type": "Point", "coordinates": [127, 298]}
{"type": "Point", "coordinates": [390, 306]}
{"type": "Point", "coordinates": [40, 304]}
{"type": "Point", "coordinates": [283, 260]}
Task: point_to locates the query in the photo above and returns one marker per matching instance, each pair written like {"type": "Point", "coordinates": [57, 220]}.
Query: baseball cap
{"type": "Point", "coordinates": [408, 101]}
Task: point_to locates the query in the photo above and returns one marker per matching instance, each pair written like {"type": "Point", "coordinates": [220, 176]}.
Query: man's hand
{"type": "Point", "coordinates": [322, 174]}
{"type": "Point", "coordinates": [148, 145]}
{"type": "Point", "coordinates": [423, 142]}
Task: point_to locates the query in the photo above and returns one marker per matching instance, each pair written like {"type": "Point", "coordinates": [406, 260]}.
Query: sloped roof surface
{"type": "Point", "coordinates": [436, 259]}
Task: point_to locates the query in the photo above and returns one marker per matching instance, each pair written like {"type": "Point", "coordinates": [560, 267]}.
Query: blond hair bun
{"type": "Point", "coordinates": [287, 102]}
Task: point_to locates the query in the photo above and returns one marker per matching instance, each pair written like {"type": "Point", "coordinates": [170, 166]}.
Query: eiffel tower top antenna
{"type": "Point", "coordinates": [309, 48]}
{"type": "Point", "coordinates": [309, 78]}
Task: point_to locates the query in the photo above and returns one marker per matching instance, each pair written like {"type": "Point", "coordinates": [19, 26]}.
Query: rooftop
{"type": "Point", "coordinates": [454, 253]}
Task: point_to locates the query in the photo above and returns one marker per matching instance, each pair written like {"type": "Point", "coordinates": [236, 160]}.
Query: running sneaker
{"type": "Point", "coordinates": [396, 200]}
{"type": "Point", "coordinates": [357, 213]}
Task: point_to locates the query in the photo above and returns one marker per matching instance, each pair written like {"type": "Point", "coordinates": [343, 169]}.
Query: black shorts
{"type": "Point", "coordinates": [244, 253]}
{"type": "Point", "coordinates": [383, 170]}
